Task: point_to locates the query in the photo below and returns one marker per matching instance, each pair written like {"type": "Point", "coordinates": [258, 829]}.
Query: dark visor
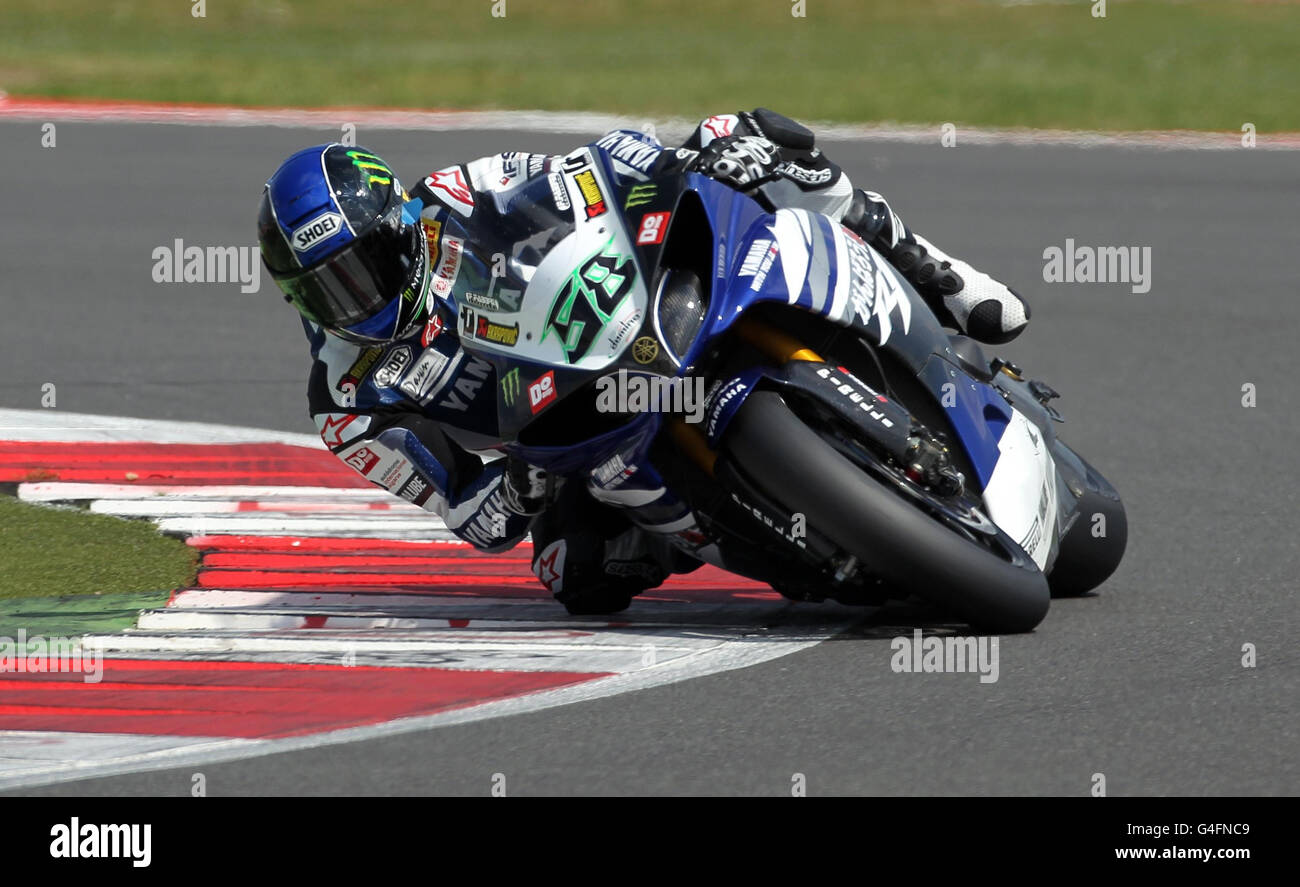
{"type": "Point", "coordinates": [357, 283]}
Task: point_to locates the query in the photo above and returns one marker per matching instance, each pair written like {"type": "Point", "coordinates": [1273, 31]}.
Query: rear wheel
{"type": "Point", "coordinates": [996, 588]}
{"type": "Point", "coordinates": [1094, 546]}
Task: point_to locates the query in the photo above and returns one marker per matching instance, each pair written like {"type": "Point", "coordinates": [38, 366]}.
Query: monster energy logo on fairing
{"type": "Point", "coordinates": [363, 161]}
{"type": "Point", "coordinates": [640, 194]}
{"type": "Point", "coordinates": [510, 387]}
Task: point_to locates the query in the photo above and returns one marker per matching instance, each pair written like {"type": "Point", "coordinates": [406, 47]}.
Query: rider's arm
{"type": "Point", "coordinates": [802, 177]}
{"type": "Point", "coordinates": [408, 454]}
{"type": "Point", "coordinates": [510, 189]}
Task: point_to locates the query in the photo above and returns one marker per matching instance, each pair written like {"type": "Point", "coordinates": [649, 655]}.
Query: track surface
{"type": "Point", "coordinates": [1143, 683]}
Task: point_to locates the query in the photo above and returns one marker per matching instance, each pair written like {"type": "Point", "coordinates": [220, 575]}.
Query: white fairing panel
{"type": "Point", "coordinates": [1021, 494]}
{"type": "Point", "coordinates": [590, 278]}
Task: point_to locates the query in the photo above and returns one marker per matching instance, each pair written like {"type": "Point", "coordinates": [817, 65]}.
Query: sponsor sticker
{"type": "Point", "coordinates": [476, 326]}
{"type": "Point", "coordinates": [362, 459]}
{"type": "Point", "coordinates": [757, 262]}
{"type": "Point", "coordinates": [428, 369]}
{"type": "Point", "coordinates": [449, 267]}
{"type": "Point", "coordinates": [432, 234]}
{"type": "Point", "coordinates": [613, 471]}
{"type": "Point", "coordinates": [559, 192]}
{"type": "Point", "coordinates": [414, 488]}
{"type": "Point", "coordinates": [542, 392]}
{"type": "Point", "coordinates": [318, 229]}
{"type": "Point", "coordinates": [652, 230]}
{"type": "Point", "coordinates": [630, 150]}
{"type": "Point", "coordinates": [803, 175]}
{"type": "Point", "coordinates": [499, 333]}
{"type": "Point", "coordinates": [645, 350]}
{"type": "Point", "coordinates": [360, 367]}
{"type": "Point", "coordinates": [393, 366]}
{"type": "Point", "coordinates": [333, 425]}
{"type": "Point", "coordinates": [591, 193]}
{"type": "Point", "coordinates": [640, 195]}
{"type": "Point", "coordinates": [719, 125]}
{"type": "Point", "coordinates": [448, 185]}
{"type": "Point", "coordinates": [510, 387]}
{"type": "Point", "coordinates": [432, 330]}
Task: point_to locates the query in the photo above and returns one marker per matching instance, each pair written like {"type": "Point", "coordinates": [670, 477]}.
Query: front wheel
{"type": "Point", "coordinates": [999, 591]}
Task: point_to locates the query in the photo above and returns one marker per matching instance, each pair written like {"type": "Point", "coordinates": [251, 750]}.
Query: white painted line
{"type": "Point", "coordinates": [588, 125]}
{"type": "Point", "coordinates": [30, 754]}
{"type": "Point", "coordinates": [277, 509]}
{"type": "Point", "coordinates": [378, 527]}
{"type": "Point", "coordinates": [313, 602]}
{"type": "Point", "coordinates": [57, 425]}
{"type": "Point", "coordinates": [56, 491]}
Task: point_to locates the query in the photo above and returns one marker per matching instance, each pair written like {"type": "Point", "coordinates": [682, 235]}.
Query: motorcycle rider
{"type": "Point", "coordinates": [373, 268]}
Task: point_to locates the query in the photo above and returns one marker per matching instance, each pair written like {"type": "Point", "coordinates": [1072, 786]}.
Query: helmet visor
{"type": "Point", "coordinates": [363, 279]}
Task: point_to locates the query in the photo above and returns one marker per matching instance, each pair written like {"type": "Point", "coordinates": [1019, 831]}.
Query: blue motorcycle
{"type": "Point", "coordinates": [765, 392]}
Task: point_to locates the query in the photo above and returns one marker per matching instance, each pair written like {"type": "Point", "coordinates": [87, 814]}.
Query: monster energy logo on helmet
{"type": "Point", "coordinates": [365, 162]}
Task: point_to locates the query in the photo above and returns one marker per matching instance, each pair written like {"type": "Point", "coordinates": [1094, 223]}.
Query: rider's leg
{"type": "Point", "coordinates": [590, 556]}
{"type": "Point", "coordinates": [960, 295]}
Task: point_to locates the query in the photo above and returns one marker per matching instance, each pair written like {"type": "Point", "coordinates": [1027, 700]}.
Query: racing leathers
{"type": "Point", "coordinates": [415, 415]}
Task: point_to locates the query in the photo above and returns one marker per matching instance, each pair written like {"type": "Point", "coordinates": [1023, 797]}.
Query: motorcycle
{"type": "Point", "coordinates": [848, 447]}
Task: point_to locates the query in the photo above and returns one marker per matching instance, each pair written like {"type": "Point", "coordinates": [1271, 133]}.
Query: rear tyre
{"type": "Point", "coordinates": [898, 541]}
{"type": "Point", "coordinates": [1094, 546]}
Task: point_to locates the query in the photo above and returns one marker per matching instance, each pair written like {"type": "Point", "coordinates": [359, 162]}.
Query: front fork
{"type": "Point", "coordinates": [778, 346]}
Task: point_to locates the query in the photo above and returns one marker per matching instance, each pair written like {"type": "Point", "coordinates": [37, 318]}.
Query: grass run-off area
{"type": "Point", "coordinates": [1145, 65]}
{"type": "Point", "coordinates": [49, 552]}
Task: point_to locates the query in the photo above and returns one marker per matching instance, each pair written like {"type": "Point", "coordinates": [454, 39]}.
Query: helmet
{"type": "Point", "coordinates": [339, 241]}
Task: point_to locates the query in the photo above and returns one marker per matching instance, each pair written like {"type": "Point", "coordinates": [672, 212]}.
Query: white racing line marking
{"type": "Point", "coordinates": [420, 630]}
{"type": "Point", "coordinates": [120, 754]}
{"type": "Point", "coordinates": [593, 124]}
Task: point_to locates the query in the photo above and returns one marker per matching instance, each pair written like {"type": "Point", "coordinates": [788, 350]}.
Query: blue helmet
{"type": "Point", "coordinates": [340, 242]}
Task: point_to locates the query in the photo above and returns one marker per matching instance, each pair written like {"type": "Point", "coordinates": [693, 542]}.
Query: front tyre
{"type": "Point", "coordinates": [897, 540]}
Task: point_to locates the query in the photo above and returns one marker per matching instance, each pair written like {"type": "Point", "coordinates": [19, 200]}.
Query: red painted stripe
{"type": "Point", "coordinates": [251, 700]}
{"type": "Point", "coordinates": [239, 560]}
{"type": "Point", "coordinates": [337, 579]}
{"type": "Point", "coordinates": [441, 547]}
{"type": "Point", "coordinates": [270, 464]}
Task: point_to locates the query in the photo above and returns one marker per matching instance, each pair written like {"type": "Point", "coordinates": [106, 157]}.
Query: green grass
{"type": "Point", "coordinates": [48, 552]}
{"type": "Point", "coordinates": [1146, 65]}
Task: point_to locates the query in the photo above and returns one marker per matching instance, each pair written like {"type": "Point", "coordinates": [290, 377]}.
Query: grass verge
{"type": "Point", "coordinates": [60, 552]}
{"type": "Point", "coordinates": [1145, 65]}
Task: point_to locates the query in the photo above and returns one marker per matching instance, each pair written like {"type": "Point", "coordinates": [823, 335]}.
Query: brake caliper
{"type": "Point", "coordinates": [927, 462]}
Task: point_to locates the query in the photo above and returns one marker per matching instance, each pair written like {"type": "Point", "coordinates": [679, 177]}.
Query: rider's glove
{"type": "Point", "coordinates": [743, 162]}
{"type": "Point", "coordinates": [524, 487]}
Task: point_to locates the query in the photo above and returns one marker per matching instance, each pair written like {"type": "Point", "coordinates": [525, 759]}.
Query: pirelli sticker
{"type": "Point", "coordinates": [433, 233]}
{"type": "Point", "coordinates": [591, 193]}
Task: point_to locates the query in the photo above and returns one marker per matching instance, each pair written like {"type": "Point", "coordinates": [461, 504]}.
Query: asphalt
{"type": "Point", "coordinates": [1143, 683]}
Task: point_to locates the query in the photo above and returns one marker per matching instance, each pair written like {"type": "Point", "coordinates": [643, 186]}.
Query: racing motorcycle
{"type": "Point", "coordinates": [848, 446]}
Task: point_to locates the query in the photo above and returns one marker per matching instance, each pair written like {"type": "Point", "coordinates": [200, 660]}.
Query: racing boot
{"type": "Point", "coordinates": [960, 296]}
